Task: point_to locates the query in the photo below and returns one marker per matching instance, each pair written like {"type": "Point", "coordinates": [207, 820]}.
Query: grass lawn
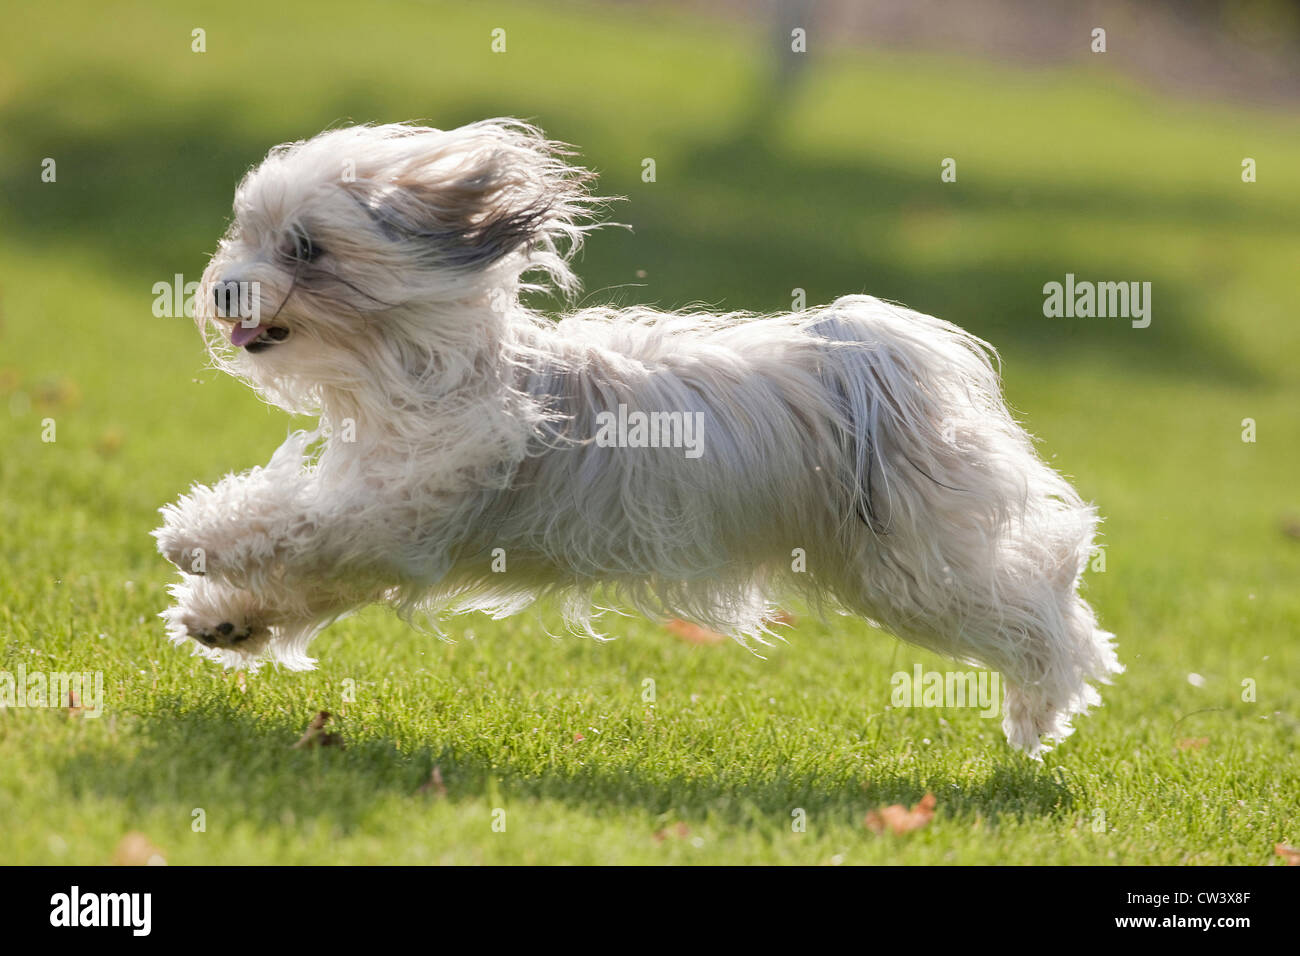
{"type": "Point", "coordinates": [831, 186]}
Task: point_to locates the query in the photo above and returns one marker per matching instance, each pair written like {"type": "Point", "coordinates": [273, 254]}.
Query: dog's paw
{"type": "Point", "coordinates": [221, 554]}
{"type": "Point", "coordinates": [236, 634]}
{"type": "Point", "coordinates": [191, 559]}
{"type": "Point", "coordinates": [218, 618]}
{"type": "Point", "coordinates": [216, 531]}
{"type": "Point", "coordinates": [177, 541]}
{"type": "Point", "coordinates": [225, 635]}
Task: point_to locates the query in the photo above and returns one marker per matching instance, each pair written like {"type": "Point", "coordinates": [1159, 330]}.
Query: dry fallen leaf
{"type": "Point", "coordinates": [136, 849]}
{"type": "Point", "coordinates": [693, 633]}
{"type": "Point", "coordinates": [681, 830]}
{"type": "Point", "coordinates": [315, 735]}
{"type": "Point", "coordinates": [110, 442]}
{"type": "Point", "coordinates": [1193, 743]}
{"type": "Point", "coordinates": [434, 784]}
{"type": "Point", "coordinates": [51, 395]}
{"type": "Point", "coordinates": [898, 819]}
{"type": "Point", "coordinates": [74, 704]}
{"type": "Point", "coordinates": [1290, 526]}
{"type": "Point", "coordinates": [1288, 853]}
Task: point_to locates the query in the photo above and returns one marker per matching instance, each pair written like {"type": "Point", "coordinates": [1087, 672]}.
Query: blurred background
{"type": "Point", "coordinates": [796, 146]}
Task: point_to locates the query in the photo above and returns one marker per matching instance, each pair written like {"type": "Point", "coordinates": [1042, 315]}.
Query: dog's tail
{"type": "Point", "coordinates": [959, 537]}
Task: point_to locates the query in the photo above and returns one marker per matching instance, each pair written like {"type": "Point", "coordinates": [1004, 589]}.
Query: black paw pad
{"type": "Point", "coordinates": [223, 635]}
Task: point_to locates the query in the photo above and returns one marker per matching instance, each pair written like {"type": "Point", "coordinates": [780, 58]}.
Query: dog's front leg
{"type": "Point", "coordinates": [266, 566]}
{"type": "Point", "coordinates": [228, 529]}
{"type": "Point", "coordinates": [241, 527]}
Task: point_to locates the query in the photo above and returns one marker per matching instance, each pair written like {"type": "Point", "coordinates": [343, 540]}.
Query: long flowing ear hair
{"type": "Point", "coordinates": [495, 198]}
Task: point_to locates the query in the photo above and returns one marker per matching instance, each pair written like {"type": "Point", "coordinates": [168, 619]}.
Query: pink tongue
{"type": "Point", "coordinates": [242, 334]}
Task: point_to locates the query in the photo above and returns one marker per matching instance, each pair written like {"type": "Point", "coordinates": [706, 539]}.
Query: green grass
{"type": "Point", "coordinates": [832, 187]}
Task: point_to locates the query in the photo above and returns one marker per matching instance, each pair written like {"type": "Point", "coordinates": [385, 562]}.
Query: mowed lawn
{"type": "Point", "coordinates": [649, 748]}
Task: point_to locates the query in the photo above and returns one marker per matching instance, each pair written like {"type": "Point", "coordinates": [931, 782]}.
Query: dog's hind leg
{"type": "Point", "coordinates": [962, 540]}
{"type": "Point", "coordinates": [1002, 595]}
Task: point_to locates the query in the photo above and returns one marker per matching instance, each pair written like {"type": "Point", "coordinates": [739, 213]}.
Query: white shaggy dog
{"type": "Point", "coordinates": [858, 455]}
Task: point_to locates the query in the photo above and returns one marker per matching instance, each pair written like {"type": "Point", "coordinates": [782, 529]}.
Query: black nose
{"type": "Point", "coordinates": [226, 297]}
{"type": "Point", "coordinates": [225, 627]}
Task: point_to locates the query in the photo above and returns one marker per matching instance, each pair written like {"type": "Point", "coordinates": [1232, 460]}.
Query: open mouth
{"type": "Point", "coordinates": [257, 338]}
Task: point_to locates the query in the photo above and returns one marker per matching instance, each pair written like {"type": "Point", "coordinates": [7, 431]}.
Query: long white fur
{"type": "Point", "coordinates": [454, 421]}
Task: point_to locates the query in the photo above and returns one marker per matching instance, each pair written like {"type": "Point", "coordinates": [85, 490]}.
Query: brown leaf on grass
{"type": "Point", "coordinates": [434, 784]}
{"type": "Point", "coordinates": [136, 849]}
{"type": "Point", "coordinates": [680, 830]}
{"type": "Point", "coordinates": [1290, 526]}
{"type": "Point", "coordinates": [1192, 743]}
{"type": "Point", "coordinates": [1288, 853]}
{"type": "Point", "coordinates": [74, 704]}
{"type": "Point", "coordinates": [315, 735]}
{"type": "Point", "coordinates": [110, 442]}
{"type": "Point", "coordinates": [50, 395]}
{"type": "Point", "coordinates": [896, 818]}
{"type": "Point", "coordinates": [693, 633]}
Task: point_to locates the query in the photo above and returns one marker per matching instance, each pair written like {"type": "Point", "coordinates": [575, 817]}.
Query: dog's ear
{"type": "Point", "coordinates": [497, 192]}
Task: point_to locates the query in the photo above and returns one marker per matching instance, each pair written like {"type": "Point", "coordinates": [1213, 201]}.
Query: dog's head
{"type": "Point", "coordinates": [364, 250]}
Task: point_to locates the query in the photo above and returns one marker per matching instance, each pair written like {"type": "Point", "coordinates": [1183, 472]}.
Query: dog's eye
{"type": "Point", "coordinates": [302, 249]}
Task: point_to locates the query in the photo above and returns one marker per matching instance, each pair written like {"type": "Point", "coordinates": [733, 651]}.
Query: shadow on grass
{"type": "Point", "coordinates": [740, 224]}
{"type": "Point", "coordinates": [219, 756]}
